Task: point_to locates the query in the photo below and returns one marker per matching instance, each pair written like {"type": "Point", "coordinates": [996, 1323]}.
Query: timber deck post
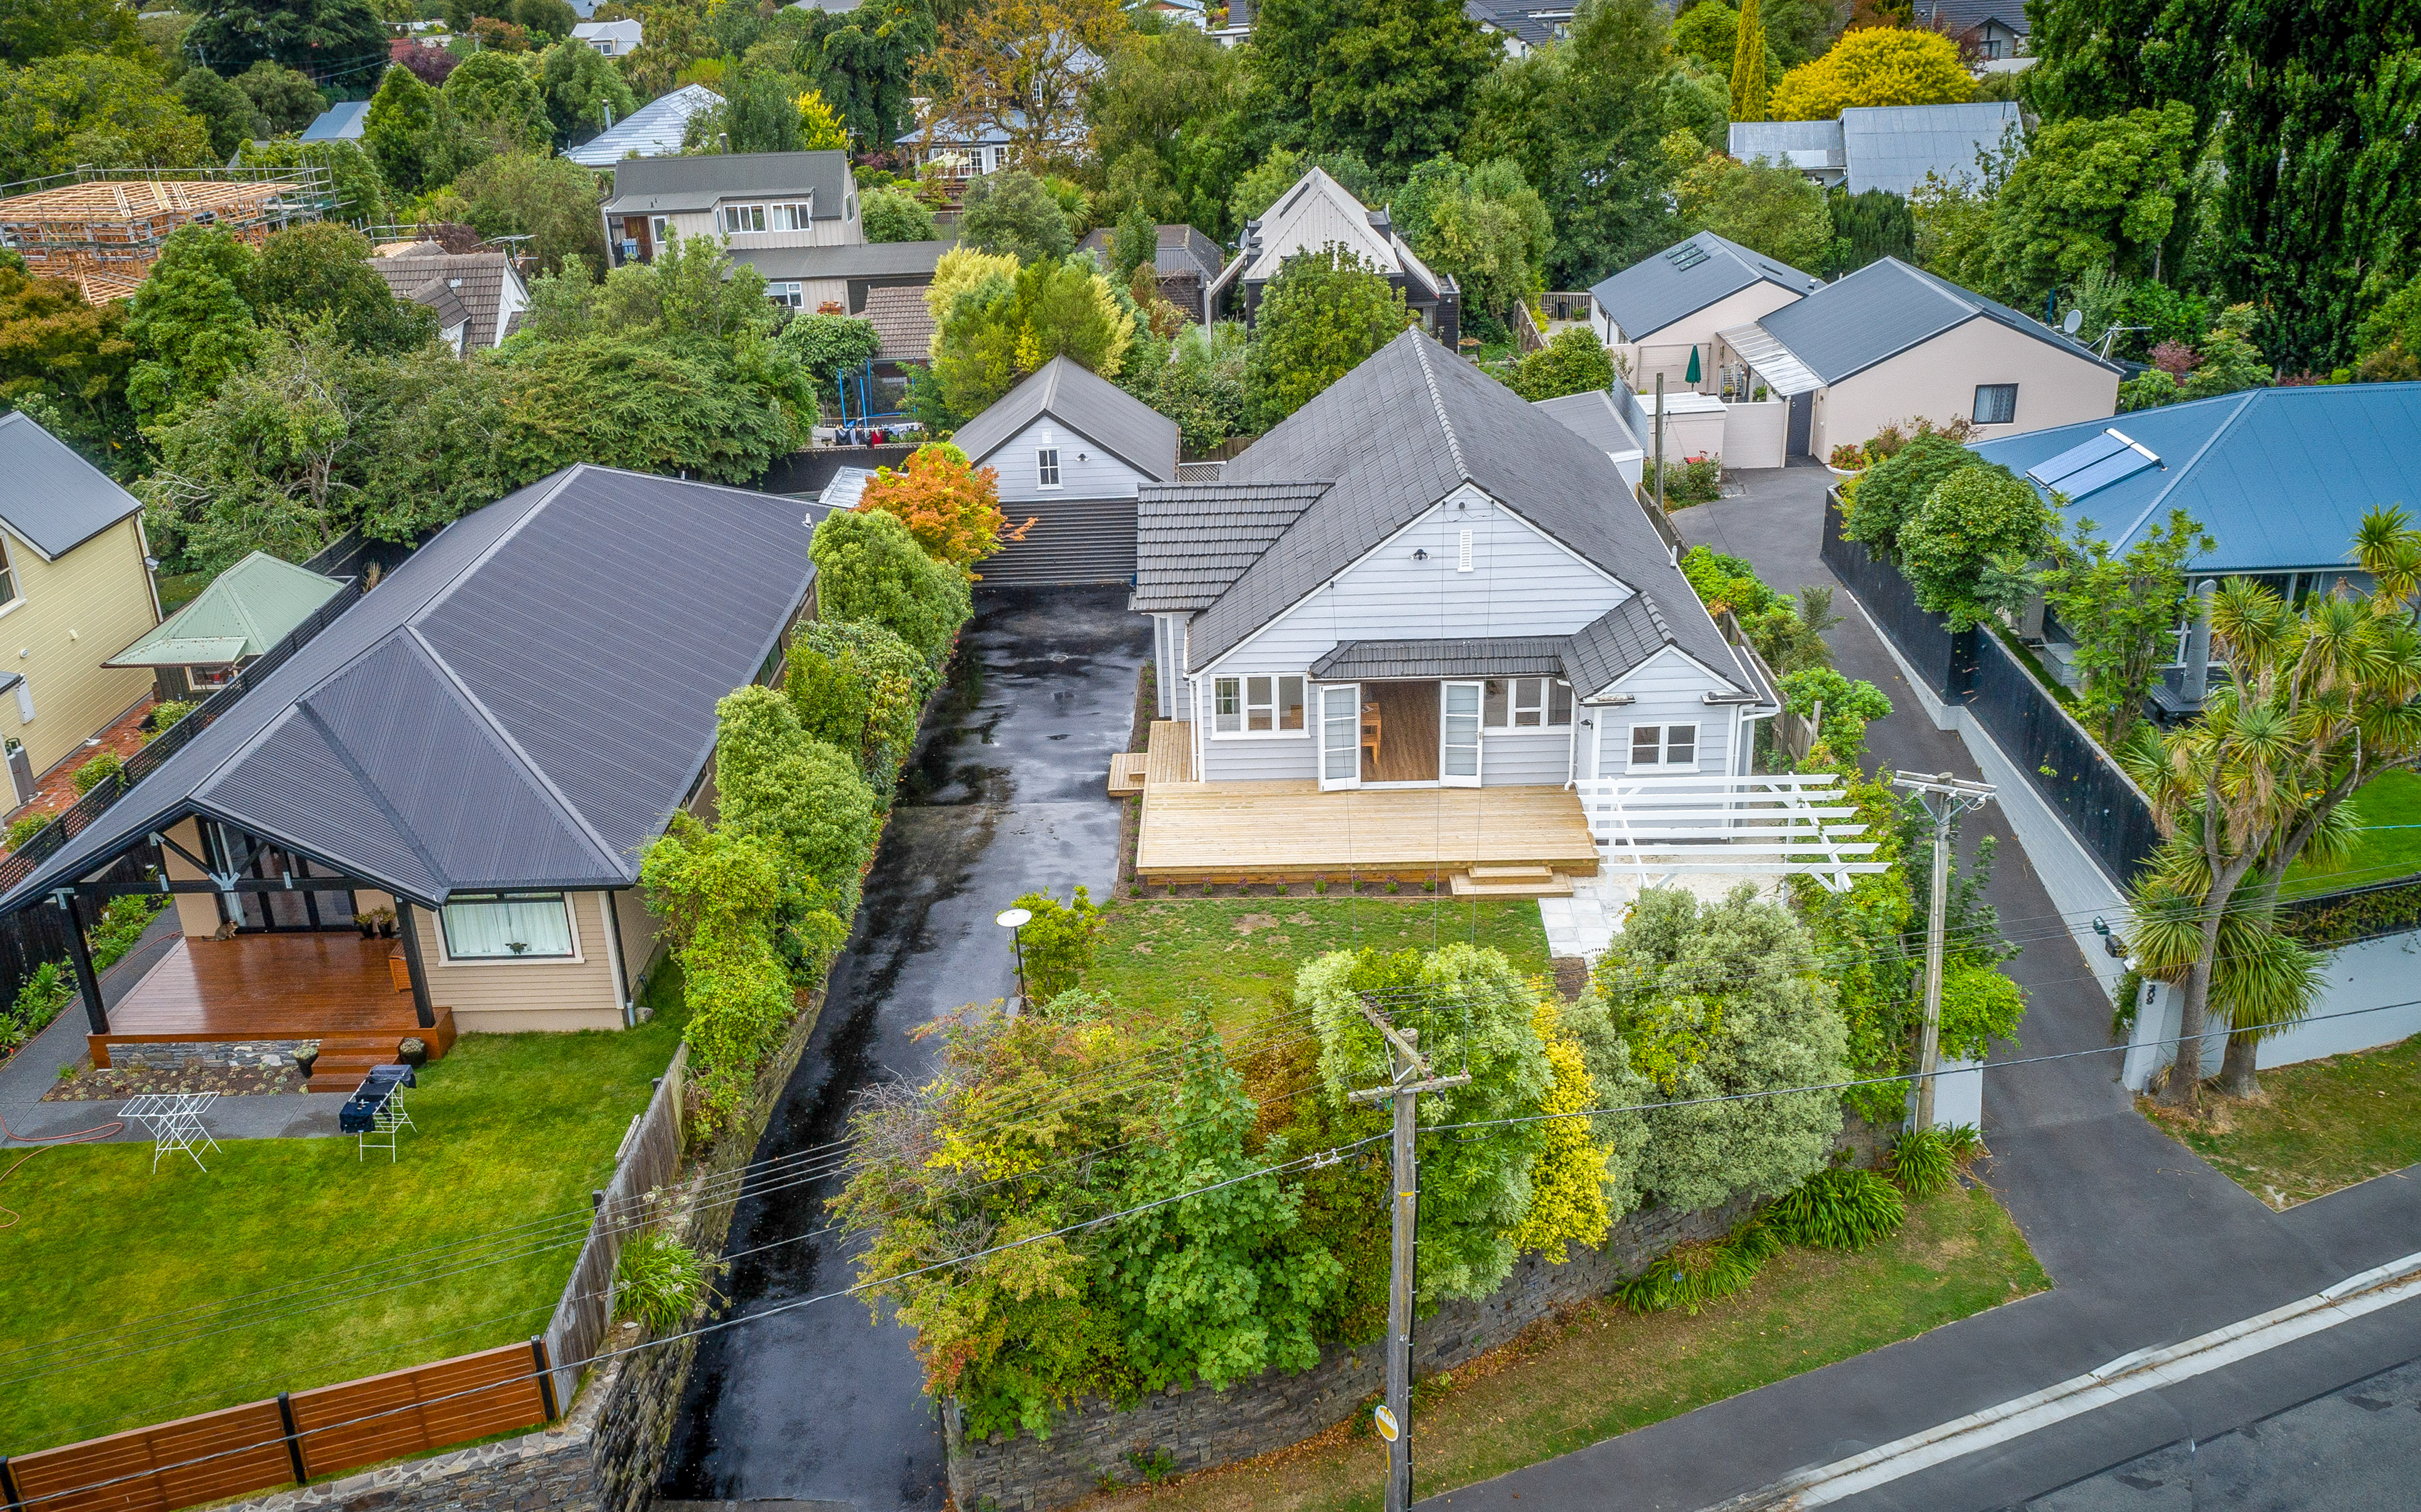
{"type": "Point", "coordinates": [410, 933]}
{"type": "Point", "coordinates": [88, 984]}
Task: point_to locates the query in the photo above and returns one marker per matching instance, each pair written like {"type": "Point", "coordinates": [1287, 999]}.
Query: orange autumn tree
{"type": "Point", "coordinates": [952, 508]}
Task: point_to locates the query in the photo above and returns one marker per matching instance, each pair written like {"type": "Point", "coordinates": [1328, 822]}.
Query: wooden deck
{"type": "Point", "coordinates": [1171, 755]}
{"type": "Point", "coordinates": [1239, 832]}
{"type": "Point", "coordinates": [337, 988]}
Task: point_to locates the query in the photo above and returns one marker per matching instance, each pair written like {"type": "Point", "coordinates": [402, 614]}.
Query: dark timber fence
{"type": "Point", "coordinates": [2106, 812]}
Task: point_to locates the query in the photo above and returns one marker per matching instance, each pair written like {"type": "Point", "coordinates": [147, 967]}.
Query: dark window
{"type": "Point", "coordinates": [1997, 404]}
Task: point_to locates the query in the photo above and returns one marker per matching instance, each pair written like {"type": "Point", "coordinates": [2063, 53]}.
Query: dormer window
{"type": "Point", "coordinates": [738, 218]}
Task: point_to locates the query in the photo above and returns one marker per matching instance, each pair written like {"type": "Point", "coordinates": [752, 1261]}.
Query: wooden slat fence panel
{"type": "Point", "coordinates": [647, 1162]}
{"type": "Point", "coordinates": [379, 1418]}
{"type": "Point", "coordinates": [199, 1459]}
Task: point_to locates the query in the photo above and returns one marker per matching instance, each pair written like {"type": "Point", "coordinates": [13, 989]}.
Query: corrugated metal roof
{"type": "Point", "coordinates": [869, 260]}
{"type": "Point", "coordinates": [1401, 433]}
{"type": "Point", "coordinates": [1193, 539]}
{"type": "Point", "coordinates": [50, 497]}
{"type": "Point", "coordinates": [1084, 402]}
{"type": "Point", "coordinates": [523, 703]}
{"type": "Point", "coordinates": [1884, 308]}
{"type": "Point", "coordinates": [652, 131]}
{"type": "Point", "coordinates": [2280, 478]}
{"type": "Point", "coordinates": [1592, 416]}
{"type": "Point", "coordinates": [246, 609]}
{"type": "Point", "coordinates": [1686, 278]}
{"type": "Point", "coordinates": [1894, 146]}
{"type": "Point", "coordinates": [340, 122]}
{"type": "Point", "coordinates": [663, 185]}
{"type": "Point", "coordinates": [1772, 361]}
{"type": "Point", "coordinates": [1784, 141]}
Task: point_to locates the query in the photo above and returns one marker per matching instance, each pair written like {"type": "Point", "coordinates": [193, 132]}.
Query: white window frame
{"type": "Point", "coordinates": [1241, 697]}
{"type": "Point", "coordinates": [1448, 691]}
{"type": "Point", "coordinates": [800, 214]}
{"type": "Point", "coordinates": [8, 591]}
{"type": "Point", "coordinates": [740, 220]}
{"type": "Point", "coordinates": [1348, 718]}
{"type": "Point", "coordinates": [572, 923]}
{"type": "Point", "coordinates": [790, 293]}
{"type": "Point", "coordinates": [1545, 688]}
{"type": "Point", "coordinates": [1665, 762]}
{"type": "Point", "coordinates": [1046, 467]}
{"type": "Point", "coordinates": [1975, 412]}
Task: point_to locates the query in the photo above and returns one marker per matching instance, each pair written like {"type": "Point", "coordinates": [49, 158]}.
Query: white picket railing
{"type": "Point", "coordinates": [1763, 826]}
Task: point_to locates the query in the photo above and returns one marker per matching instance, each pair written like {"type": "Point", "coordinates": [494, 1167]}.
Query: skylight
{"type": "Point", "coordinates": [2081, 469]}
{"type": "Point", "coordinates": [1686, 257]}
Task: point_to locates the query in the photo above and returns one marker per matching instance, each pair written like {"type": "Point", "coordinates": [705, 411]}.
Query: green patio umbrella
{"type": "Point", "coordinates": [1692, 376]}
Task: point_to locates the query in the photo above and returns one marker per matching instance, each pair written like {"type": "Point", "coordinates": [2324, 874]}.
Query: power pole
{"type": "Point", "coordinates": [1945, 798]}
{"type": "Point", "coordinates": [1410, 1078]}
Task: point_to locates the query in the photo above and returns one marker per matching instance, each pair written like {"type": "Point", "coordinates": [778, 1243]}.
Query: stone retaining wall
{"type": "Point", "coordinates": [1201, 1427]}
{"type": "Point", "coordinates": [185, 1056]}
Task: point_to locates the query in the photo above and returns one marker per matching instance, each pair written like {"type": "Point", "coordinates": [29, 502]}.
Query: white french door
{"type": "Point", "coordinates": [1340, 735]}
{"type": "Point", "coordinates": [1459, 735]}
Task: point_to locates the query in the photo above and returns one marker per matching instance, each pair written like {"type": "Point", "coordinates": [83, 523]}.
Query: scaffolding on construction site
{"type": "Point", "coordinates": [103, 227]}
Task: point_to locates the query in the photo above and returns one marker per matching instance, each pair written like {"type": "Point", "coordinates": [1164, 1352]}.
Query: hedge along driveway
{"type": "Point", "coordinates": [134, 1298]}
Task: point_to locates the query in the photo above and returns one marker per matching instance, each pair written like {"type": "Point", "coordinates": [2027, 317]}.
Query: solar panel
{"type": "Point", "coordinates": [2100, 474]}
{"type": "Point", "coordinates": [2052, 471]}
{"type": "Point", "coordinates": [1686, 257]}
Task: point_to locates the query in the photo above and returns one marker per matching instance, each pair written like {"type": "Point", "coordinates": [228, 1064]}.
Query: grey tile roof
{"type": "Point", "coordinates": [1622, 638]}
{"type": "Point", "coordinates": [500, 711]}
{"type": "Point", "coordinates": [652, 131]}
{"type": "Point", "coordinates": [48, 495]}
{"type": "Point", "coordinates": [1886, 307]}
{"type": "Point", "coordinates": [1956, 18]}
{"type": "Point", "coordinates": [1534, 25]}
{"type": "Point", "coordinates": [1084, 402]}
{"type": "Point", "coordinates": [871, 260]}
{"type": "Point", "coordinates": [1398, 434]}
{"type": "Point", "coordinates": [1193, 539]}
{"type": "Point", "coordinates": [1591, 416]}
{"type": "Point", "coordinates": [1496, 656]}
{"type": "Point", "coordinates": [1894, 147]}
{"type": "Point", "coordinates": [662, 185]}
{"type": "Point", "coordinates": [904, 322]}
{"type": "Point", "coordinates": [1686, 278]}
{"type": "Point", "coordinates": [422, 271]}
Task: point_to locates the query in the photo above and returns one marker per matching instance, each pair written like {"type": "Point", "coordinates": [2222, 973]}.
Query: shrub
{"type": "Point", "coordinates": [1921, 1163]}
{"type": "Point", "coordinates": [805, 798]}
{"type": "Point", "coordinates": [164, 717]}
{"type": "Point", "coordinates": [45, 992]}
{"type": "Point", "coordinates": [1849, 705]}
{"type": "Point", "coordinates": [1568, 1176]}
{"type": "Point", "coordinates": [869, 568]}
{"type": "Point", "coordinates": [121, 923]}
{"type": "Point", "coordinates": [1689, 1276]}
{"type": "Point", "coordinates": [859, 687]}
{"type": "Point", "coordinates": [1574, 362]}
{"type": "Point", "coordinates": [1969, 551]}
{"type": "Point", "coordinates": [1057, 945]}
{"type": "Point", "coordinates": [718, 895]}
{"type": "Point", "coordinates": [1698, 480]}
{"type": "Point", "coordinates": [1848, 456]}
{"type": "Point", "coordinates": [1878, 501]}
{"type": "Point", "coordinates": [91, 774]}
{"type": "Point", "coordinates": [952, 510]}
{"type": "Point", "coordinates": [1838, 1210]}
{"type": "Point", "coordinates": [25, 826]}
{"type": "Point", "coordinates": [659, 1282]}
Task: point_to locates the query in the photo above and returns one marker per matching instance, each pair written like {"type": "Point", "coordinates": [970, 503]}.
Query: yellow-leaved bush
{"type": "Point", "coordinates": [1568, 1174]}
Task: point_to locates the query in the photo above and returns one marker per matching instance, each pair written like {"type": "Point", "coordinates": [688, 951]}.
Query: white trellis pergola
{"type": "Point", "coordinates": [1766, 826]}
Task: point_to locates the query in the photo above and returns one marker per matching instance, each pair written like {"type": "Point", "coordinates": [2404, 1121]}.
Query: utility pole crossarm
{"type": "Point", "coordinates": [1383, 1094]}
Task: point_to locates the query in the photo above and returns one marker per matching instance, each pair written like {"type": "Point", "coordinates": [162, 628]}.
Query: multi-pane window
{"type": "Point", "coordinates": [796, 217]}
{"type": "Point", "coordinates": [508, 927]}
{"type": "Point", "coordinates": [738, 218]}
{"type": "Point", "coordinates": [1528, 703]}
{"type": "Point", "coordinates": [1997, 404]}
{"type": "Point", "coordinates": [1664, 745]}
{"type": "Point", "coordinates": [1046, 467]}
{"type": "Point", "coordinates": [1257, 706]}
{"type": "Point", "coordinates": [787, 293]}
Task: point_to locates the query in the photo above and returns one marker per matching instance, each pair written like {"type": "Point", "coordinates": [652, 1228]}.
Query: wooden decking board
{"type": "Point", "coordinates": [1171, 753]}
{"type": "Point", "coordinates": [1128, 769]}
{"type": "Point", "coordinates": [1255, 830]}
{"type": "Point", "coordinates": [337, 988]}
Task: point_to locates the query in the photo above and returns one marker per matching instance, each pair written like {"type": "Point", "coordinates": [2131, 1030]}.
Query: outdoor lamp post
{"type": "Point", "coordinates": [1014, 921]}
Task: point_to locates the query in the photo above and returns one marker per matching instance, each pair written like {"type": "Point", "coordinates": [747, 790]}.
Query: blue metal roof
{"type": "Point", "coordinates": [2278, 476]}
{"type": "Point", "coordinates": [340, 122]}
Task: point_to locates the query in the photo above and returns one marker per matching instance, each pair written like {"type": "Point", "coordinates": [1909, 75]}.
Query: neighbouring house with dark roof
{"type": "Point", "coordinates": [1889, 344]}
{"type": "Point", "coordinates": [484, 743]}
{"type": "Point", "coordinates": [1659, 315]}
{"type": "Point", "coordinates": [1998, 30]}
{"type": "Point", "coordinates": [841, 280]}
{"type": "Point", "coordinates": [245, 612]}
{"type": "Point", "coordinates": [653, 130]}
{"type": "Point", "coordinates": [1891, 147]}
{"type": "Point", "coordinates": [1316, 213]}
{"type": "Point", "coordinates": [74, 586]}
{"type": "Point", "coordinates": [1073, 450]}
{"type": "Point", "coordinates": [752, 200]}
{"type": "Point", "coordinates": [1522, 25]}
{"type": "Point", "coordinates": [1419, 581]}
{"type": "Point", "coordinates": [478, 296]}
{"type": "Point", "coordinates": [1185, 262]}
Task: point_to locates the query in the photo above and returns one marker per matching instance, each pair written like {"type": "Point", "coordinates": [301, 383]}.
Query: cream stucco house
{"type": "Point", "coordinates": [74, 588]}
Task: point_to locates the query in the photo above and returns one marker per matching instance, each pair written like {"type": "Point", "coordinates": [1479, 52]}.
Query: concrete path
{"type": "Point", "coordinates": [2145, 1244]}
{"type": "Point", "coordinates": [820, 1405]}
{"type": "Point", "coordinates": [35, 1069]}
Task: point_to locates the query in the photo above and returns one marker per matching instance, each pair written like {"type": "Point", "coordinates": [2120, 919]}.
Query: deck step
{"type": "Point", "coordinates": [1128, 769]}
{"type": "Point", "coordinates": [1549, 885]}
{"type": "Point", "coordinates": [1512, 874]}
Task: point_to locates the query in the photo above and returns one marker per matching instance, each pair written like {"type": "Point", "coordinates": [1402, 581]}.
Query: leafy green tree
{"type": "Point", "coordinates": [192, 321]}
{"type": "Point", "coordinates": [286, 100]}
{"type": "Point", "coordinates": [1005, 328]}
{"type": "Point", "coordinates": [1969, 548]}
{"type": "Point", "coordinates": [1868, 226]}
{"type": "Point", "coordinates": [1767, 207]}
{"type": "Point", "coordinates": [869, 568]}
{"type": "Point", "coordinates": [759, 113]}
{"type": "Point", "coordinates": [648, 406]}
{"type": "Point", "coordinates": [498, 104]}
{"type": "Point", "coordinates": [1750, 79]}
{"type": "Point", "coordinates": [581, 89]}
{"type": "Point", "coordinates": [65, 361]}
{"type": "Point", "coordinates": [551, 201]}
{"type": "Point", "coordinates": [35, 29]}
{"type": "Point", "coordinates": [864, 63]}
{"type": "Point", "coordinates": [718, 895]}
{"type": "Point", "coordinates": [360, 191]}
{"type": "Point", "coordinates": [1572, 362]}
{"type": "Point", "coordinates": [302, 34]}
{"type": "Point", "coordinates": [1843, 706]}
{"type": "Point", "coordinates": [828, 345]}
{"type": "Point", "coordinates": [1170, 128]}
{"type": "Point", "coordinates": [860, 686]}
{"type": "Point", "coordinates": [1875, 66]}
{"type": "Point", "coordinates": [1010, 211]}
{"type": "Point", "coordinates": [1715, 1000]}
{"type": "Point", "coordinates": [2228, 359]}
{"type": "Point", "coordinates": [1389, 80]}
{"type": "Point", "coordinates": [322, 271]}
{"type": "Point", "coordinates": [89, 107]}
{"type": "Point", "coordinates": [1283, 168]}
{"type": "Point", "coordinates": [1055, 947]}
{"type": "Point", "coordinates": [1484, 226]}
{"type": "Point", "coordinates": [2091, 195]}
{"type": "Point", "coordinates": [1878, 502]}
{"type": "Point", "coordinates": [1200, 384]}
{"type": "Point", "coordinates": [2387, 346]}
{"type": "Point", "coordinates": [1136, 243]}
{"type": "Point", "coordinates": [410, 133]}
{"type": "Point", "coordinates": [2123, 611]}
{"type": "Point", "coordinates": [2102, 57]}
{"type": "Point", "coordinates": [222, 107]}
{"type": "Point", "coordinates": [804, 798]}
{"type": "Point", "coordinates": [1318, 318]}
{"type": "Point", "coordinates": [891, 216]}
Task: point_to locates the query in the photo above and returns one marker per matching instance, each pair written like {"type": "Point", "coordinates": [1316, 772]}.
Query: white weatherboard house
{"type": "Point", "coordinates": [1072, 450]}
{"type": "Point", "coordinates": [1423, 628]}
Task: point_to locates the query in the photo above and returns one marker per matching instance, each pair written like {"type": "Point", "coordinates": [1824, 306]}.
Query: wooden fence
{"type": "Point", "coordinates": [643, 1168]}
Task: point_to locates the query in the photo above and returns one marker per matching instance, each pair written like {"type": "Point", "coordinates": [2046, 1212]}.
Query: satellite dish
{"type": "Point", "coordinates": [2075, 318]}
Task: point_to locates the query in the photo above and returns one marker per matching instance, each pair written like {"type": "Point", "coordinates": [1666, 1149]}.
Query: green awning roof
{"type": "Point", "coordinates": [247, 609]}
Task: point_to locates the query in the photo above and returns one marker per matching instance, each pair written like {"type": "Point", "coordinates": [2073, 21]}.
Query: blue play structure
{"type": "Point", "coordinates": [859, 385]}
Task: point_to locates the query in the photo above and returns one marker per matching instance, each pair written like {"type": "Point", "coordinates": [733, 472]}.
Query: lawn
{"type": "Point", "coordinates": [2320, 1127]}
{"type": "Point", "coordinates": [136, 1297]}
{"type": "Point", "coordinates": [2389, 808]}
{"type": "Point", "coordinates": [1605, 1370]}
{"type": "Point", "coordinates": [1239, 955]}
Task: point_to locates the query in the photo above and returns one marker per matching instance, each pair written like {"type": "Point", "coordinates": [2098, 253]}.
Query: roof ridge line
{"type": "Point", "coordinates": [1437, 402]}
{"type": "Point", "coordinates": [2218, 431]}
{"type": "Point", "coordinates": [529, 764]}
{"type": "Point", "coordinates": [377, 796]}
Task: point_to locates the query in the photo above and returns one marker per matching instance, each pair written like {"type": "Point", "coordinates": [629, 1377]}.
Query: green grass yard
{"type": "Point", "coordinates": [134, 1298]}
{"type": "Point", "coordinates": [1239, 955]}
{"type": "Point", "coordinates": [2389, 808]}
{"type": "Point", "coordinates": [1605, 1370]}
{"type": "Point", "coordinates": [2318, 1126]}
